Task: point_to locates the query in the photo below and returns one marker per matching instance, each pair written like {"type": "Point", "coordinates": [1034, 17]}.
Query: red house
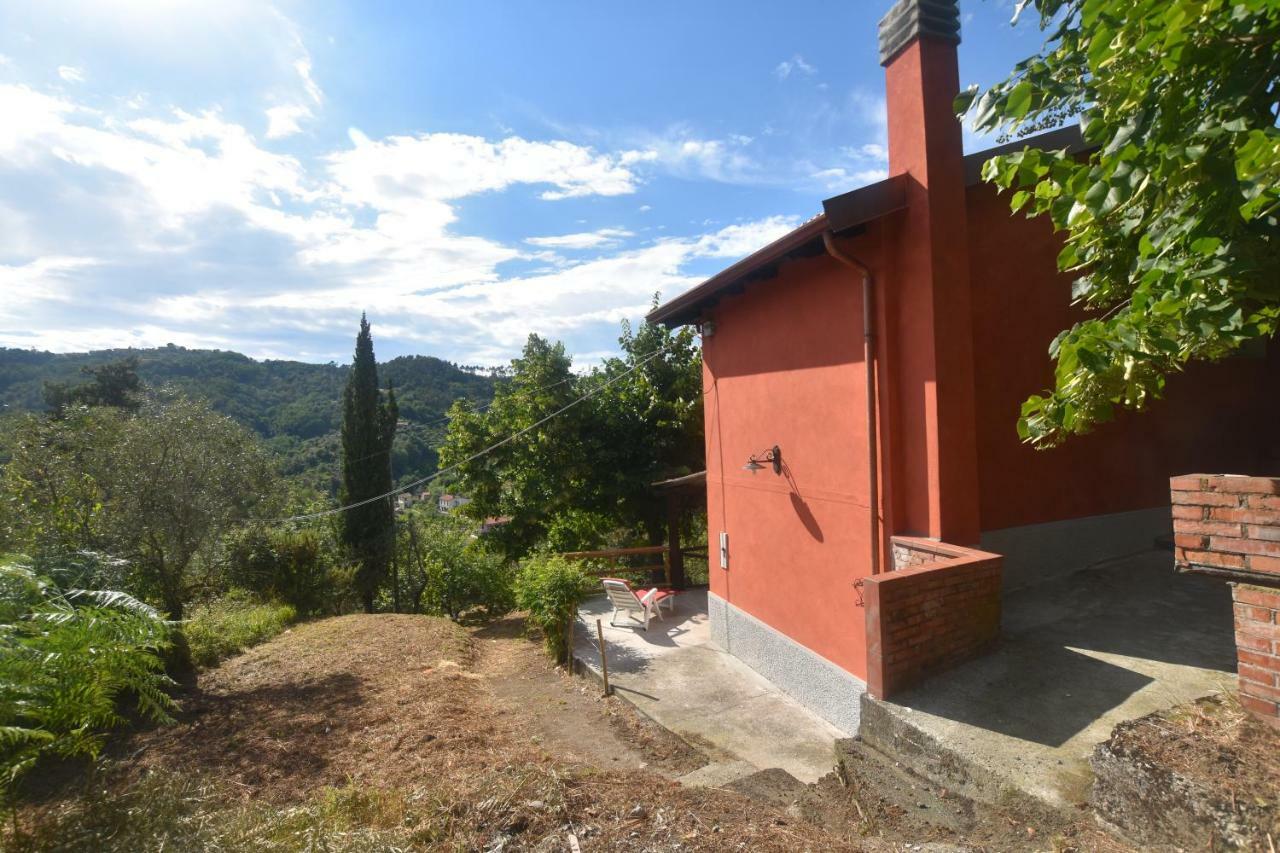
{"type": "Point", "coordinates": [867, 492]}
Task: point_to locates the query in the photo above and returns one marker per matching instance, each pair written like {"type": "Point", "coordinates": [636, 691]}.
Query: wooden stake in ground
{"type": "Point", "coordinates": [604, 664]}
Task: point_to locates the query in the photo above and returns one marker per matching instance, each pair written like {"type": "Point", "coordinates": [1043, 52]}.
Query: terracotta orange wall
{"type": "Point", "coordinates": [785, 367]}
{"type": "Point", "coordinates": [926, 291]}
{"type": "Point", "coordinates": [1219, 417]}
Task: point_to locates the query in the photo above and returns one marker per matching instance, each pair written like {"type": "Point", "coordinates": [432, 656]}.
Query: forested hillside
{"type": "Point", "coordinates": [295, 407]}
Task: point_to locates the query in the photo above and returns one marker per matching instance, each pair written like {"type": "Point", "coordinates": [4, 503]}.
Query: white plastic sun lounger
{"type": "Point", "coordinates": [637, 605]}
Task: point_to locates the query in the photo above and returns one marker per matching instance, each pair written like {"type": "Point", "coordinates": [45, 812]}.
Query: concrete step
{"type": "Point", "coordinates": [863, 768]}
{"type": "Point", "coordinates": [718, 774]}
{"type": "Point", "coordinates": [888, 732]}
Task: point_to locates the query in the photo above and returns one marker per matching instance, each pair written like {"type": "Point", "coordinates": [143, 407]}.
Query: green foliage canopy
{"type": "Point", "coordinates": [181, 477]}
{"type": "Point", "coordinates": [115, 384]}
{"type": "Point", "coordinates": [297, 567]}
{"type": "Point", "coordinates": [158, 489]}
{"type": "Point", "coordinates": [536, 475]}
{"type": "Point", "coordinates": [1171, 218]}
{"type": "Point", "coordinates": [589, 468]}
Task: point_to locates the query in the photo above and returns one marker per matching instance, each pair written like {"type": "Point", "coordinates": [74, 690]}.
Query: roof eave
{"type": "Point", "coordinates": [841, 214]}
{"type": "Point", "coordinates": [687, 307]}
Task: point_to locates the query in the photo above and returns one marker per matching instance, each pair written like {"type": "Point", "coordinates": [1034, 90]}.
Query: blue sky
{"type": "Point", "coordinates": [249, 176]}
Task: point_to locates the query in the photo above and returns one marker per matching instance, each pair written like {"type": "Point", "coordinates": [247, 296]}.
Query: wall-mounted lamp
{"type": "Point", "coordinates": [755, 462]}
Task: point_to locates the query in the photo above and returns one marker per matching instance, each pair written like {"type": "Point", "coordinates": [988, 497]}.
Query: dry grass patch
{"type": "Point", "coordinates": [380, 732]}
{"type": "Point", "coordinates": [1216, 743]}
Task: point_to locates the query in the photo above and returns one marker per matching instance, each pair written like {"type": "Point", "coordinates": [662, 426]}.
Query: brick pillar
{"type": "Point", "coordinates": [1258, 649]}
{"type": "Point", "coordinates": [1229, 527]}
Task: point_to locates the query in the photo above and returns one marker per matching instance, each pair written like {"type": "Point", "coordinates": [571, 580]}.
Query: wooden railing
{"type": "Point", "coordinates": [613, 556]}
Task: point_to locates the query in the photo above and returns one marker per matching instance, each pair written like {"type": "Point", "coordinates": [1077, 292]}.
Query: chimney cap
{"type": "Point", "coordinates": [912, 19]}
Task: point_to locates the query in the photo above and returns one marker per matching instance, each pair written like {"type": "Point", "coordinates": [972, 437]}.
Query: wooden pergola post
{"type": "Point", "coordinates": [675, 556]}
{"type": "Point", "coordinates": [679, 493]}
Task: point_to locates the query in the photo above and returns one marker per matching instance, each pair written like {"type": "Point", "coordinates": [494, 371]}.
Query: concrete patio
{"type": "Point", "coordinates": [678, 677]}
{"type": "Point", "coordinates": [1078, 655]}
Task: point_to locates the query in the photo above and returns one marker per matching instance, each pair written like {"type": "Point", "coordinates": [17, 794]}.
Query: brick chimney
{"type": "Point", "coordinates": [928, 303]}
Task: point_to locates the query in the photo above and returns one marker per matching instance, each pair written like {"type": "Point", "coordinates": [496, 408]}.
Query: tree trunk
{"type": "Point", "coordinates": [395, 580]}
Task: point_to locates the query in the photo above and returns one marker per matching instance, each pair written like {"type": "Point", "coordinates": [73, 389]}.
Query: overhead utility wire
{"type": "Point", "coordinates": [474, 456]}
{"type": "Point", "coordinates": [477, 410]}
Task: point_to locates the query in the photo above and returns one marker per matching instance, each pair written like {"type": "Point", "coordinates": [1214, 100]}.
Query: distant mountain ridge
{"type": "Point", "coordinates": [295, 406]}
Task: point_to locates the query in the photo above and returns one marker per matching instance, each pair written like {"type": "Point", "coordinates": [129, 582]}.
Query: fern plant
{"type": "Point", "coordinates": [66, 659]}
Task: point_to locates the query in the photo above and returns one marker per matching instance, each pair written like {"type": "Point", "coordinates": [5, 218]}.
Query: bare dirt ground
{"type": "Point", "coordinates": [486, 746]}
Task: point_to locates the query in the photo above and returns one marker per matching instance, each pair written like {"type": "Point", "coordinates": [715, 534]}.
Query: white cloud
{"type": "Point", "coordinates": [484, 322]}
{"type": "Point", "coordinates": [400, 171]}
{"type": "Point", "coordinates": [180, 165]}
{"type": "Point", "coordinates": [213, 240]}
{"type": "Point", "coordinates": [795, 64]}
{"type": "Point", "coordinates": [738, 241]}
{"type": "Point", "coordinates": [724, 160]}
{"type": "Point", "coordinates": [871, 151]}
{"type": "Point", "coordinates": [71, 74]}
{"type": "Point", "coordinates": [303, 67]}
{"type": "Point", "coordinates": [584, 240]}
{"type": "Point", "coordinates": [284, 120]}
{"type": "Point", "coordinates": [45, 279]}
{"type": "Point", "coordinates": [838, 179]}
{"type": "Point", "coordinates": [292, 106]}
{"type": "Point", "coordinates": [114, 337]}
{"type": "Point", "coordinates": [870, 108]}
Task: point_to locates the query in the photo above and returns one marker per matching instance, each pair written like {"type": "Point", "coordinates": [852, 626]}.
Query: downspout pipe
{"type": "Point", "coordinates": [868, 360]}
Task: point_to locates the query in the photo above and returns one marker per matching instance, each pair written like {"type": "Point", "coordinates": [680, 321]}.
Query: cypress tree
{"type": "Point", "coordinates": [368, 426]}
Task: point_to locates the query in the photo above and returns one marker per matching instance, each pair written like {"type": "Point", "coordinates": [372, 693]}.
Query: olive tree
{"type": "Point", "coordinates": [181, 476]}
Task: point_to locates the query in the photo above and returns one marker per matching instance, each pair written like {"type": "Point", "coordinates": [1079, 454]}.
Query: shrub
{"type": "Point", "coordinates": [67, 656]}
{"type": "Point", "coordinates": [225, 627]}
{"type": "Point", "coordinates": [551, 588]}
{"type": "Point", "coordinates": [292, 566]}
{"type": "Point", "coordinates": [445, 569]}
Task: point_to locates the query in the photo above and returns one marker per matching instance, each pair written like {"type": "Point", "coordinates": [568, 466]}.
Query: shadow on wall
{"type": "Point", "coordinates": [801, 507]}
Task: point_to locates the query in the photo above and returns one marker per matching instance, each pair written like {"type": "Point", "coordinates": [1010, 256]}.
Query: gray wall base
{"type": "Point", "coordinates": [1040, 552]}
{"type": "Point", "coordinates": [810, 679]}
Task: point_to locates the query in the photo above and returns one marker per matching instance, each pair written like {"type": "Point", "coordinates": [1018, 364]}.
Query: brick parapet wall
{"type": "Point", "coordinates": [940, 609]}
{"type": "Point", "coordinates": [909, 552]}
{"type": "Point", "coordinates": [1229, 526]}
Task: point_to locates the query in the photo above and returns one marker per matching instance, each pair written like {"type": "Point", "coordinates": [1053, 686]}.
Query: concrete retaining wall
{"type": "Point", "coordinates": [1155, 807]}
{"type": "Point", "coordinates": [813, 681]}
{"type": "Point", "coordinates": [1040, 552]}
